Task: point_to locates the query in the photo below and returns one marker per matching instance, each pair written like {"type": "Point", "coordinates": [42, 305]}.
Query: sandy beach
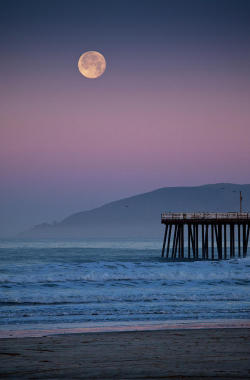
{"type": "Point", "coordinates": [164, 354]}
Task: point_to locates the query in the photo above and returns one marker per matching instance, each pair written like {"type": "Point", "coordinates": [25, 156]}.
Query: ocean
{"type": "Point", "coordinates": [64, 284]}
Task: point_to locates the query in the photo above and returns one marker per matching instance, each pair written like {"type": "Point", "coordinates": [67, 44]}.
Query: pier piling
{"type": "Point", "coordinates": [212, 229]}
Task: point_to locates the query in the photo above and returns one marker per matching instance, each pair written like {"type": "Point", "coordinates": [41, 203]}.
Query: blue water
{"type": "Point", "coordinates": [53, 283]}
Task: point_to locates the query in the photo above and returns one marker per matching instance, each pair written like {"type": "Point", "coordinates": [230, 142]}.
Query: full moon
{"type": "Point", "coordinates": [92, 64]}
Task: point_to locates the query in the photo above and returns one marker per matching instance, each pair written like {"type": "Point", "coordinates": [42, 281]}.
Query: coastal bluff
{"type": "Point", "coordinates": [139, 216]}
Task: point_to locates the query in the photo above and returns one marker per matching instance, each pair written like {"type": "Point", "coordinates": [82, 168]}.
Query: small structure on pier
{"type": "Point", "coordinates": [206, 235]}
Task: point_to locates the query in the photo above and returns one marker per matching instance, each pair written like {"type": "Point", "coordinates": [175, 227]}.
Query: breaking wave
{"type": "Point", "coordinates": [64, 284]}
{"type": "Point", "coordinates": [229, 271]}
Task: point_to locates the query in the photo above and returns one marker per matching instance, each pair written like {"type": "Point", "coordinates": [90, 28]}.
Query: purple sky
{"type": "Point", "coordinates": [171, 109]}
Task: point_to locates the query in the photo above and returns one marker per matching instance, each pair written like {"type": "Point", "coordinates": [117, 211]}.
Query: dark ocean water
{"type": "Point", "coordinates": [53, 283]}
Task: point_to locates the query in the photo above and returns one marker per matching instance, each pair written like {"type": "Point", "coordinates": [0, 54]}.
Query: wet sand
{"type": "Point", "coordinates": [164, 354]}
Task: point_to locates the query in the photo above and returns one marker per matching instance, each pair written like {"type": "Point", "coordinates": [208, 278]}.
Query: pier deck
{"type": "Point", "coordinates": [206, 235]}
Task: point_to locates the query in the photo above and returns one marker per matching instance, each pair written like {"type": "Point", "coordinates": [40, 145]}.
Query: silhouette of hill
{"type": "Point", "coordinates": [139, 215]}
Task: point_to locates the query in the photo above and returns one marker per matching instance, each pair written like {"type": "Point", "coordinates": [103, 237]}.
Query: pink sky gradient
{"type": "Point", "coordinates": [167, 136]}
{"type": "Point", "coordinates": [171, 109]}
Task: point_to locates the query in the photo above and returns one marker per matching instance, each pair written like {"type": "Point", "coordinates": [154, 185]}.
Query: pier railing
{"type": "Point", "coordinates": [204, 216]}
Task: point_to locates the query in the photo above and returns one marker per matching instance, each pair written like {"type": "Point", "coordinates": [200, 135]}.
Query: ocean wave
{"type": "Point", "coordinates": [65, 284]}
{"type": "Point", "coordinates": [88, 243]}
{"type": "Point", "coordinates": [72, 299]}
{"type": "Point", "coordinates": [120, 271]}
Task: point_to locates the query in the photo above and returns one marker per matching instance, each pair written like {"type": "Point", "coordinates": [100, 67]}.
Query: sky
{"type": "Point", "coordinates": [171, 109]}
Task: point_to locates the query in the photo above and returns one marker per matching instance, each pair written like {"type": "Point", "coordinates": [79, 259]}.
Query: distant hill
{"type": "Point", "coordinates": [139, 216]}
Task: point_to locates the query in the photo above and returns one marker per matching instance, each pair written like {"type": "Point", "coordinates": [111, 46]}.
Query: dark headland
{"type": "Point", "coordinates": [139, 216]}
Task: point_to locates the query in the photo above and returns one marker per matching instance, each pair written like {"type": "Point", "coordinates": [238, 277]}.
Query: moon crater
{"type": "Point", "coordinates": [92, 64]}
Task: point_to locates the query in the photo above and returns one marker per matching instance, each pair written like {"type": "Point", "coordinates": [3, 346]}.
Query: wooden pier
{"type": "Point", "coordinates": [209, 236]}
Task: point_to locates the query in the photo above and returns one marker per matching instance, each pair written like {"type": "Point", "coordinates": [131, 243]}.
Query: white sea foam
{"type": "Point", "coordinates": [88, 243]}
{"type": "Point", "coordinates": [118, 271]}
{"type": "Point", "coordinates": [60, 284]}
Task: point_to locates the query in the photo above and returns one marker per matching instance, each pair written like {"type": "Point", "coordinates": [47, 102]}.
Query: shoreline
{"type": "Point", "coordinates": [202, 353]}
{"type": "Point", "coordinates": [112, 327]}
